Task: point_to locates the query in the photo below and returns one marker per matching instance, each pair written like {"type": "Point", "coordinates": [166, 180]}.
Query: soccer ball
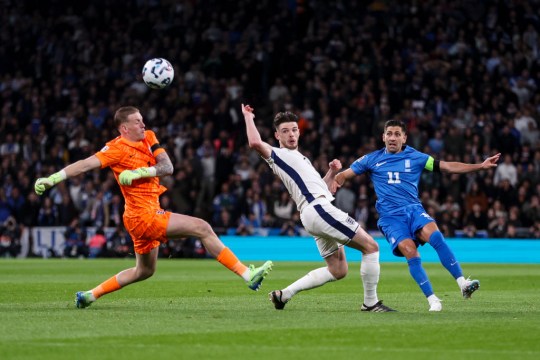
{"type": "Point", "coordinates": [157, 73]}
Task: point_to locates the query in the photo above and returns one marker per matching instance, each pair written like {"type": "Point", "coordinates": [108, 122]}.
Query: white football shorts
{"type": "Point", "coordinates": [330, 226]}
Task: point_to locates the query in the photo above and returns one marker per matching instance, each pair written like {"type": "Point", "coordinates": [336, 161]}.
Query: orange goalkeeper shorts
{"type": "Point", "coordinates": [147, 230]}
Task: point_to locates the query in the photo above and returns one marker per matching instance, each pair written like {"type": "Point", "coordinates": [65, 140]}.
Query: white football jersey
{"type": "Point", "coordinates": [304, 183]}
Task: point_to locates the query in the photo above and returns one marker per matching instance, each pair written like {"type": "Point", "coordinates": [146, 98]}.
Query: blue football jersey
{"type": "Point", "coordinates": [394, 176]}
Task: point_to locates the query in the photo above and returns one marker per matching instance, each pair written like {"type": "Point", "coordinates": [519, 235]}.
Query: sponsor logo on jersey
{"type": "Point", "coordinates": [426, 216]}
{"type": "Point", "coordinates": [105, 148]}
{"type": "Point", "coordinates": [380, 164]}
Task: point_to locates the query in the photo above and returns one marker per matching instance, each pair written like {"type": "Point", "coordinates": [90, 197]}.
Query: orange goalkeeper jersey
{"type": "Point", "coordinates": [121, 154]}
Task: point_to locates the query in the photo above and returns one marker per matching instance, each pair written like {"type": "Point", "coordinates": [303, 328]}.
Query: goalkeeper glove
{"type": "Point", "coordinates": [127, 176]}
{"type": "Point", "coordinates": [43, 184]}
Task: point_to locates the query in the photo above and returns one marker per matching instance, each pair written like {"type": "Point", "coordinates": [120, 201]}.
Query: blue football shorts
{"type": "Point", "coordinates": [403, 225]}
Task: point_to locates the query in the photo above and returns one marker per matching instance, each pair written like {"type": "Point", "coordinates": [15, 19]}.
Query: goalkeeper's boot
{"type": "Point", "coordinates": [276, 298]}
{"type": "Point", "coordinates": [257, 275]}
{"type": "Point", "coordinates": [470, 287]}
{"type": "Point", "coordinates": [83, 299]}
{"type": "Point", "coordinates": [378, 307]}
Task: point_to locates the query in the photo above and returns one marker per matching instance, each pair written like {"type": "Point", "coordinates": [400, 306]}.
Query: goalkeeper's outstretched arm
{"type": "Point", "coordinates": [77, 168]}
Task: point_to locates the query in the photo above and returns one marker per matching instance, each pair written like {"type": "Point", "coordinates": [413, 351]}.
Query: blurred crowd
{"type": "Point", "coordinates": [463, 75]}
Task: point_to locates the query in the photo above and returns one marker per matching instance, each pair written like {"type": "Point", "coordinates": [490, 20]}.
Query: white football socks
{"type": "Point", "coordinates": [313, 279]}
{"type": "Point", "coordinates": [370, 270]}
{"type": "Point", "coordinates": [461, 282]}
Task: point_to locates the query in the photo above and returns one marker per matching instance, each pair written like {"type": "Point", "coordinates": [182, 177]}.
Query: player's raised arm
{"type": "Point", "coordinates": [463, 168]}
{"type": "Point", "coordinates": [334, 167]}
{"type": "Point", "coordinates": [340, 179]}
{"type": "Point", "coordinates": [71, 170]}
{"type": "Point", "coordinates": [254, 137]}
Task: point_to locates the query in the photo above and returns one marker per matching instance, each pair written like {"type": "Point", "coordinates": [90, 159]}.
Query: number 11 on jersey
{"type": "Point", "coordinates": [393, 178]}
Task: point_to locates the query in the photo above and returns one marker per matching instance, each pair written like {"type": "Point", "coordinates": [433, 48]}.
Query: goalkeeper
{"type": "Point", "coordinates": [137, 160]}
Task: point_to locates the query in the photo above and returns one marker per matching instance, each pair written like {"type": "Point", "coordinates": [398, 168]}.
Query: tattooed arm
{"type": "Point", "coordinates": [164, 165]}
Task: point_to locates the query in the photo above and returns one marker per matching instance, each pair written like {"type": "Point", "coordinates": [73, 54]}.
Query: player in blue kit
{"type": "Point", "coordinates": [331, 227]}
{"type": "Point", "coordinates": [395, 171]}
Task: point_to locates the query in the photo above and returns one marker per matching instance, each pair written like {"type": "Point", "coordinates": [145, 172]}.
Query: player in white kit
{"type": "Point", "coordinates": [331, 227]}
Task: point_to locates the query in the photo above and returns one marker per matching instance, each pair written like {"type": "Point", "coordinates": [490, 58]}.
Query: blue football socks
{"type": "Point", "coordinates": [419, 275]}
{"type": "Point", "coordinates": [436, 240]}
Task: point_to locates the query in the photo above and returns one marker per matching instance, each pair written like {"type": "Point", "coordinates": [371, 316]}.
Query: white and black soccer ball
{"type": "Point", "coordinates": [158, 73]}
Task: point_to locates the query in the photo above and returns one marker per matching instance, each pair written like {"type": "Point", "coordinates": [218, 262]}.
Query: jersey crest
{"type": "Point", "coordinates": [407, 165]}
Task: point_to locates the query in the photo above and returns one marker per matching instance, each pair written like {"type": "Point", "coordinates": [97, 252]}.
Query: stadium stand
{"type": "Point", "coordinates": [463, 75]}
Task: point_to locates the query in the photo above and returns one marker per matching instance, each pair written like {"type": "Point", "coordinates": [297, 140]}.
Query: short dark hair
{"type": "Point", "coordinates": [121, 115]}
{"type": "Point", "coordinates": [393, 122]}
{"type": "Point", "coordinates": [283, 117]}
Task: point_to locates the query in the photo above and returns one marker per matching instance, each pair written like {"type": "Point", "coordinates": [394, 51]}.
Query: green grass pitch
{"type": "Point", "coordinates": [196, 309]}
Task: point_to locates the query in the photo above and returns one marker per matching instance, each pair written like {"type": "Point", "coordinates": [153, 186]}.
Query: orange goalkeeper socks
{"type": "Point", "coordinates": [106, 287]}
{"type": "Point", "coordinates": [231, 262]}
